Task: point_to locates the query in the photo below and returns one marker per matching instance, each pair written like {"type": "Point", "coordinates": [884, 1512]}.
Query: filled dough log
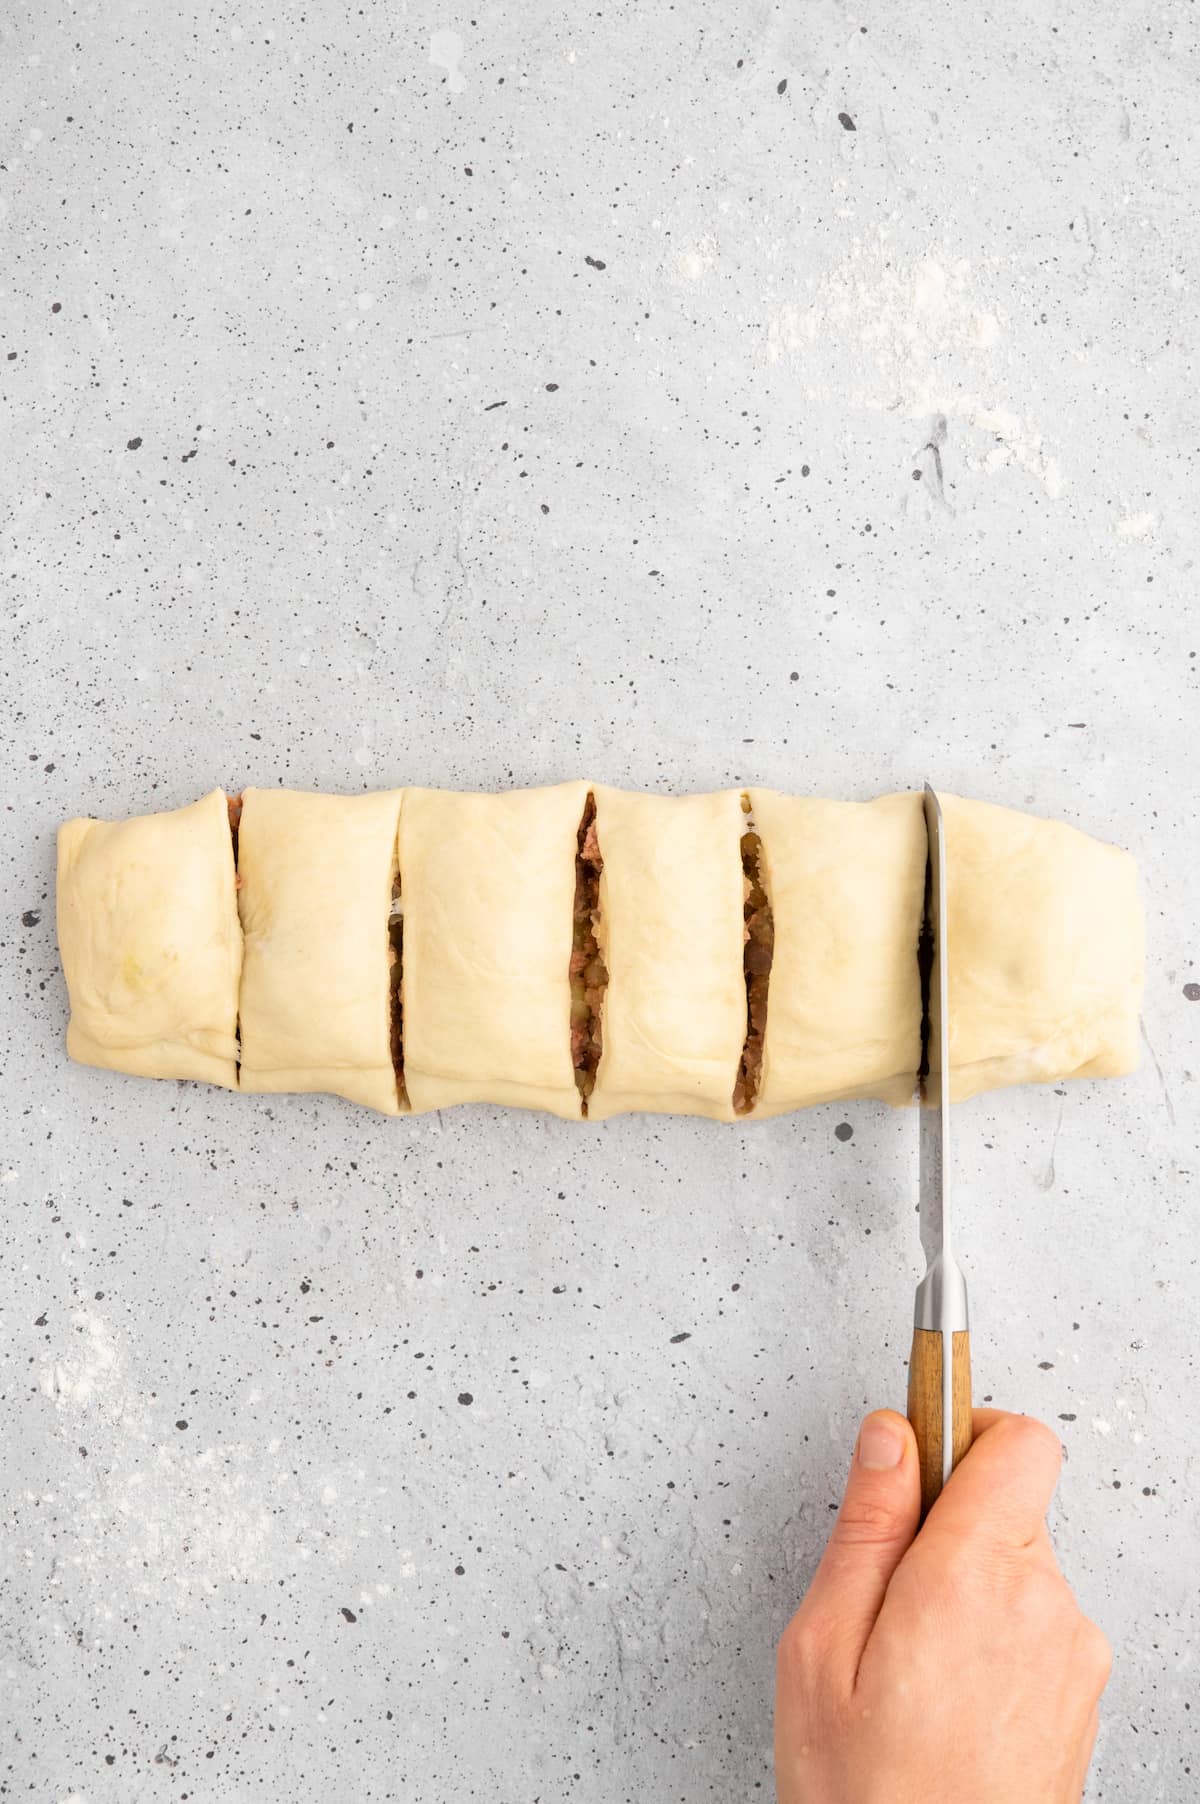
{"type": "Point", "coordinates": [1046, 947]}
{"type": "Point", "coordinates": [315, 897]}
{"type": "Point", "coordinates": [846, 881]}
{"type": "Point", "coordinates": [671, 933]}
{"type": "Point", "coordinates": [487, 883]}
{"type": "Point", "coordinates": [513, 975]}
{"type": "Point", "coordinates": [150, 941]}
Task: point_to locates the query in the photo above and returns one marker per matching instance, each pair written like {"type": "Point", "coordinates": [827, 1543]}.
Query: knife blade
{"type": "Point", "coordinates": [939, 1377]}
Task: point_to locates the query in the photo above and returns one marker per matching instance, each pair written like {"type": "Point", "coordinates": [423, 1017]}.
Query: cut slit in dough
{"type": "Point", "coordinates": [589, 976]}
{"type": "Point", "coordinates": [315, 898]}
{"type": "Point", "coordinates": [758, 956]}
{"type": "Point", "coordinates": [150, 941]}
{"type": "Point", "coordinates": [487, 883]}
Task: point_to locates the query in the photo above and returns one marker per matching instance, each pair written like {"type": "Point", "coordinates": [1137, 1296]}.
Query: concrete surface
{"type": "Point", "coordinates": [407, 395]}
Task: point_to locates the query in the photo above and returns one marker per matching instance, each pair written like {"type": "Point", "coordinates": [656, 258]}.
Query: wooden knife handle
{"type": "Point", "coordinates": [925, 1406]}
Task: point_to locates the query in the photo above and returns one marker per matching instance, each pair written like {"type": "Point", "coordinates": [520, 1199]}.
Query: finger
{"type": "Point", "coordinates": [1002, 1488]}
{"type": "Point", "coordinates": [983, 1419]}
{"type": "Point", "coordinates": [873, 1530]}
{"type": "Point", "coordinates": [1041, 1547]}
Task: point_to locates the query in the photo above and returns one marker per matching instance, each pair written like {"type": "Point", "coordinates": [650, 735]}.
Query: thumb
{"type": "Point", "coordinates": [873, 1531]}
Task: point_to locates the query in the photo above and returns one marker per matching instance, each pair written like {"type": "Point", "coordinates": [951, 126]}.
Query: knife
{"type": "Point", "coordinates": [939, 1370]}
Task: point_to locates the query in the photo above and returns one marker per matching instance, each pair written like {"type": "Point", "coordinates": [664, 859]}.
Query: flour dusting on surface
{"type": "Point", "coordinates": [924, 345]}
{"type": "Point", "coordinates": [1135, 526]}
{"type": "Point", "coordinates": [84, 1372]}
{"type": "Point", "coordinates": [152, 1516]}
{"type": "Point", "coordinates": [445, 52]}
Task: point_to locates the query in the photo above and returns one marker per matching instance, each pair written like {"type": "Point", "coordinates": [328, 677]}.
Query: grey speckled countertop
{"type": "Point", "coordinates": [674, 396]}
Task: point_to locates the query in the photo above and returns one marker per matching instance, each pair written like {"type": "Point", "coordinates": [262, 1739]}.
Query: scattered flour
{"type": "Point", "coordinates": [923, 344]}
{"type": "Point", "coordinates": [1135, 526]}
{"type": "Point", "coordinates": [93, 1368]}
{"type": "Point", "coordinates": [152, 1516]}
{"type": "Point", "coordinates": [445, 52]}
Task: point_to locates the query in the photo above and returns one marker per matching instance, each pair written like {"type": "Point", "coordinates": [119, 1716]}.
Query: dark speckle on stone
{"type": "Point", "coordinates": [847, 124]}
{"type": "Point", "coordinates": [181, 1424]}
{"type": "Point", "coordinates": [595, 263]}
{"type": "Point", "coordinates": [349, 1614]}
{"type": "Point", "coordinates": [781, 87]}
{"type": "Point", "coordinates": [133, 444]}
{"type": "Point", "coordinates": [1067, 1416]}
{"type": "Point", "coordinates": [57, 307]}
{"type": "Point", "coordinates": [552, 388]}
{"type": "Point", "coordinates": [676, 1338]}
{"type": "Point", "coordinates": [844, 1131]}
{"type": "Point", "coordinates": [1192, 991]}
{"type": "Point", "coordinates": [31, 917]}
{"type": "Point", "coordinates": [465, 1397]}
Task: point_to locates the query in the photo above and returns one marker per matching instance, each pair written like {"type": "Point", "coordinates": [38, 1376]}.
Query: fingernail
{"type": "Point", "coordinates": [879, 1445]}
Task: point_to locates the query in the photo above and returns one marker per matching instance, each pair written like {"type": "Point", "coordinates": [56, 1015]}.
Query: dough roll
{"type": "Point", "coordinates": [1046, 943]}
{"type": "Point", "coordinates": [587, 951]}
{"type": "Point", "coordinates": [846, 882]}
{"type": "Point", "coordinates": [316, 875]}
{"type": "Point", "coordinates": [487, 885]}
{"type": "Point", "coordinates": [671, 934]}
{"type": "Point", "coordinates": [150, 941]}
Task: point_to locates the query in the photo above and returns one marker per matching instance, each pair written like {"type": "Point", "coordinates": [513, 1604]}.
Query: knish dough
{"type": "Point", "coordinates": [846, 883]}
{"type": "Point", "coordinates": [671, 934]}
{"type": "Point", "coordinates": [487, 886]}
{"type": "Point", "coordinates": [150, 941]}
{"type": "Point", "coordinates": [1046, 944]}
{"type": "Point", "coordinates": [316, 889]}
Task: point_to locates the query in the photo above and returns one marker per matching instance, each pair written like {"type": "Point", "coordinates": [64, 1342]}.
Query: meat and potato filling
{"type": "Point", "coordinates": [759, 948]}
{"type": "Point", "coordinates": [234, 805]}
{"type": "Point", "coordinates": [589, 977]}
{"type": "Point", "coordinates": [395, 989]}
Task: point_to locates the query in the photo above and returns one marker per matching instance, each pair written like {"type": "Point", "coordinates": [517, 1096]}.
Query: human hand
{"type": "Point", "coordinates": [950, 1666]}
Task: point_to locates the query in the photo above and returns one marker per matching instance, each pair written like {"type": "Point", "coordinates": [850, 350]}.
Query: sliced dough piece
{"type": "Point", "coordinates": [846, 882]}
{"type": "Point", "coordinates": [1046, 943]}
{"type": "Point", "coordinates": [151, 946]}
{"type": "Point", "coordinates": [316, 889]}
{"type": "Point", "coordinates": [670, 930]}
{"type": "Point", "coordinates": [487, 885]}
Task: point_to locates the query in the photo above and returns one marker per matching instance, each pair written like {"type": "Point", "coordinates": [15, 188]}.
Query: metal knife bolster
{"type": "Point", "coordinates": [941, 1300]}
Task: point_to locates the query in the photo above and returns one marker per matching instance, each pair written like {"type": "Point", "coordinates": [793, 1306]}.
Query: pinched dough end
{"type": "Point", "coordinates": [1047, 951]}
{"type": "Point", "coordinates": [151, 945]}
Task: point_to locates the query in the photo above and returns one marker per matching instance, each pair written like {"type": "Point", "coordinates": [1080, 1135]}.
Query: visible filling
{"type": "Point", "coordinates": [234, 805]}
{"type": "Point", "coordinates": [395, 991]}
{"type": "Point", "coordinates": [758, 951]}
{"type": "Point", "coordinates": [589, 976]}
